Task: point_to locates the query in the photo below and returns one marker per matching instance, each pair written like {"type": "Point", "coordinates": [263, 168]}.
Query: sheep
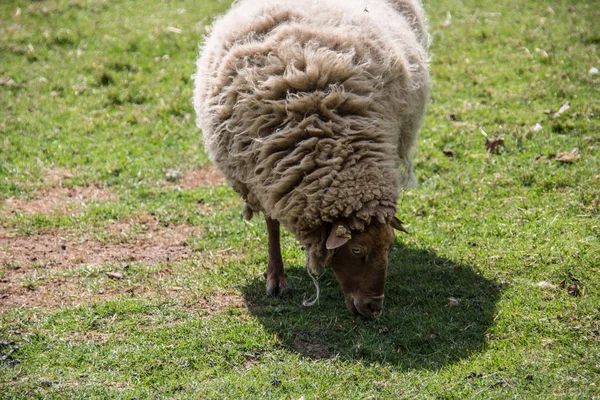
{"type": "Point", "coordinates": [311, 108]}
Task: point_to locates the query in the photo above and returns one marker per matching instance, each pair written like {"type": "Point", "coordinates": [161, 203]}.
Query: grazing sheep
{"type": "Point", "coordinates": [310, 108]}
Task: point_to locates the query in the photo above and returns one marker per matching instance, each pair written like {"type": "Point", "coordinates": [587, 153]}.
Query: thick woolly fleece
{"type": "Point", "coordinates": [310, 108]}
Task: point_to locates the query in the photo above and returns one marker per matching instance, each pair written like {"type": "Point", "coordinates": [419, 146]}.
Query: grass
{"type": "Point", "coordinates": [494, 295]}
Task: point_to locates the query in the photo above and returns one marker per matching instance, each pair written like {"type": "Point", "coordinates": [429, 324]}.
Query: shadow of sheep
{"type": "Point", "coordinates": [436, 312]}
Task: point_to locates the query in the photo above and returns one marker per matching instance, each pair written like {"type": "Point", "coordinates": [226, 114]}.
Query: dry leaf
{"type": "Point", "coordinates": [452, 302]}
{"type": "Point", "coordinates": [569, 157]}
{"type": "Point", "coordinates": [547, 343]}
{"type": "Point", "coordinates": [172, 29]}
{"type": "Point", "coordinates": [172, 175]}
{"type": "Point", "coordinates": [493, 145]}
{"type": "Point", "coordinates": [473, 375]}
{"type": "Point", "coordinates": [448, 20]}
{"type": "Point", "coordinates": [573, 289]}
{"type": "Point", "coordinates": [114, 275]}
{"type": "Point", "coordinates": [449, 153]}
{"type": "Point", "coordinates": [541, 52]}
{"type": "Point", "coordinates": [10, 83]}
{"type": "Point", "coordinates": [562, 109]}
{"type": "Point", "coordinates": [546, 285]}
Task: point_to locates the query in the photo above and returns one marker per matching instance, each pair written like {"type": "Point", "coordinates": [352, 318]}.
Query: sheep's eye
{"type": "Point", "coordinates": [356, 251]}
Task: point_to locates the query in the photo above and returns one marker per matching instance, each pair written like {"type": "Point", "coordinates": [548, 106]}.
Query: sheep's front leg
{"type": "Point", "coordinates": [276, 279]}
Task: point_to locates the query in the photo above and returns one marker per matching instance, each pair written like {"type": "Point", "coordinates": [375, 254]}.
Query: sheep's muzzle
{"type": "Point", "coordinates": [368, 307]}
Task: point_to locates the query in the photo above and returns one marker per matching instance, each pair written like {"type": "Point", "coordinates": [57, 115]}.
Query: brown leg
{"type": "Point", "coordinates": [276, 279]}
{"type": "Point", "coordinates": [247, 212]}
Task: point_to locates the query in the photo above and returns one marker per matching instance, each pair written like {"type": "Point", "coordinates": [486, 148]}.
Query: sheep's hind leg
{"type": "Point", "coordinates": [247, 212]}
{"type": "Point", "coordinates": [276, 279]}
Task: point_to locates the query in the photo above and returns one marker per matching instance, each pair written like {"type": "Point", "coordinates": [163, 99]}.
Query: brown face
{"type": "Point", "coordinates": [360, 263]}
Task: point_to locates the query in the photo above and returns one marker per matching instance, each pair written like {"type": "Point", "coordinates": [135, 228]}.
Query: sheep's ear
{"type": "Point", "coordinates": [339, 236]}
{"type": "Point", "coordinates": [398, 225]}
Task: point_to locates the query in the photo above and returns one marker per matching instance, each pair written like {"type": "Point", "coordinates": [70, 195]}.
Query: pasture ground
{"type": "Point", "coordinates": [127, 272]}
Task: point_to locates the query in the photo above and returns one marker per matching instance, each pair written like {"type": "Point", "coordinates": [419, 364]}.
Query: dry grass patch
{"type": "Point", "coordinates": [55, 176]}
{"type": "Point", "coordinates": [220, 302]}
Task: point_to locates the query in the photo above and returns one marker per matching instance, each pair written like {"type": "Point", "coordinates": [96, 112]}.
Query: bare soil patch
{"type": "Point", "coordinates": [54, 197]}
{"type": "Point", "coordinates": [205, 176]}
{"type": "Point", "coordinates": [53, 293]}
{"type": "Point", "coordinates": [311, 348]}
{"type": "Point", "coordinates": [58, 199]}
{"type": "Point", "coordinates": [154, 243]}
{"type": "Point", "coordinates": [29, 263]}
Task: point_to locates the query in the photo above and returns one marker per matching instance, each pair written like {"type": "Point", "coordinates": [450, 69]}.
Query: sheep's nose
{"type": "Point", "coordinates": [369, 307]}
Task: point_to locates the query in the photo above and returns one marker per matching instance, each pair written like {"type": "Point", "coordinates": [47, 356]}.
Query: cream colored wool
{"type": "Point", "coordinates": [310, 108]}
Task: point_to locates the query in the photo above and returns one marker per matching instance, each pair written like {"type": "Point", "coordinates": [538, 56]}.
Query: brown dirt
{"type": "Point", "coordinates": [65, 250]}
{"type": "Point", "coordinates": [57, 292]}
{"type": "Point", "coordinates": [311, 348]}
{"type": "Point", "coordinates": [53, 197]}
{"type": "Point", "coordinates": [34, 270]}
{"type": "Point", "coordinates": [58, 199]}
{"type": "Point", "coordinates": [39, 257]}
{"type": "Point", "coordinates": [206, 176]}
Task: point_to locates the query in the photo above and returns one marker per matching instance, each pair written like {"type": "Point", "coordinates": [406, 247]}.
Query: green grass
{"type": "Point", "coordinates": [102, 90]}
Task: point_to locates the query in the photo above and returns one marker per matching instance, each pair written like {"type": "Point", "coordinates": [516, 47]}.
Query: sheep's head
{"type": "Point", "coordinates": [359, 262]}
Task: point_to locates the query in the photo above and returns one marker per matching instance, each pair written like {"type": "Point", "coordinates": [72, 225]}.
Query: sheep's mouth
{"type": "Point", "coordinates": [369, 307]}
{"type": "Point", "coordinates": [351, 306]}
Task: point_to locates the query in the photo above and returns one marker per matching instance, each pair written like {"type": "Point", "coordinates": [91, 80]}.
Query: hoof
{"type": "Point", "coordinates": [277, 285]}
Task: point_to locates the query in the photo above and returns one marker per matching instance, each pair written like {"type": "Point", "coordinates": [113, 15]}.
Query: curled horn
{"type": "Point", "coordinates": [339, 235]}
{"type": "Point", "coordinates": [342, 232]}
{"type": "Point", "coordinates": [398, 225]}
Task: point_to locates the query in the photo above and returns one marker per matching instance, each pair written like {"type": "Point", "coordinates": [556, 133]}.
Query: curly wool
{"type": "Point", "coordinates": [310, 108]}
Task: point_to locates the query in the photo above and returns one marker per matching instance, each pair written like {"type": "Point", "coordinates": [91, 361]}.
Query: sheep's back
{"type": "Point", "coordinates": [302, 105]}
